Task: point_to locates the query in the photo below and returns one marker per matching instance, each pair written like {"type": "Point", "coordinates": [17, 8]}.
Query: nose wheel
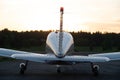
{"type": "Point", "coordinates": [58, 69]}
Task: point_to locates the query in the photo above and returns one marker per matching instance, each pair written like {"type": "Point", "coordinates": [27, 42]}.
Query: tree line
{"type": "Point", "coordinates": [26, 39]}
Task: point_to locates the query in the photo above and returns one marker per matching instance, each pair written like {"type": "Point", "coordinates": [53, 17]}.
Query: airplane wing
{"type": "Point", "coordinates": [49, 57]}
{"type": "Point", "coordinates": [111, 56]}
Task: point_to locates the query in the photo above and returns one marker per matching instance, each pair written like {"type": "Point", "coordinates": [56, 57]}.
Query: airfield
{"type": "Point", "coordinates": [9, 70]}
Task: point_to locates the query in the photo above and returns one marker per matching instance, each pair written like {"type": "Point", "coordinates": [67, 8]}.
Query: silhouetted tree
{"type": "Point", "coordinates": [14, 39]}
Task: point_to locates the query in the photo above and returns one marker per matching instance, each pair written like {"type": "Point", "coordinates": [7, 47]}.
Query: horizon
{"type": "Point", "coordinates": [58, 30]}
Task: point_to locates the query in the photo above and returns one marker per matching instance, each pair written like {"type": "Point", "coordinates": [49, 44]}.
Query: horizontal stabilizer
{"type": "Point", "coordinates": [51, 57]}
{"type": "Point", "coordinates": [111, 56]}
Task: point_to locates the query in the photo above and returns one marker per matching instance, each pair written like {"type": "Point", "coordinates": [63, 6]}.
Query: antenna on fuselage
{"type": "Point", "coordinates": [61, 18]}
{"type": "Point", "coordinates": [61, 30]}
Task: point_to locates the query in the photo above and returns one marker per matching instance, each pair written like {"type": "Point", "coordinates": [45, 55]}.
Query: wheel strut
{"type": "Point", "coordinates": [23, 67]}
{"type": "Point", "coordinates": [95, 69]}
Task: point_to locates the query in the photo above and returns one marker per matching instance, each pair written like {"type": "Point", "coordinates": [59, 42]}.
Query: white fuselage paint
{"type": "Point", "coordinates": [53, 43]}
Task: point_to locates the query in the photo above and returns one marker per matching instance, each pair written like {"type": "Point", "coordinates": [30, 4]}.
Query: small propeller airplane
{"type": "Point", "coordinates": [59, 48]}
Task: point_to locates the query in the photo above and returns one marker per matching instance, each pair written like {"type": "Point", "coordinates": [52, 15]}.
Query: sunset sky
{"type": "Point", "coordinates": [85, 15]}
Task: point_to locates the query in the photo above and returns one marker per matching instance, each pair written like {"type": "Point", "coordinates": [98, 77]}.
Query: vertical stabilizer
{"type": "Point", "coordinates": [61, 18]}
{"type": "Point", "coordinates": [61, 30]}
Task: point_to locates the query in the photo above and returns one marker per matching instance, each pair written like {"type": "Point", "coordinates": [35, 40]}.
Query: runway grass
{"type": "Point", "coordinates": [6, 59]}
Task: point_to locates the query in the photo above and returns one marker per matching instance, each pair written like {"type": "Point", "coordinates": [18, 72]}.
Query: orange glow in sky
{"type": "Point", "coordinates": [86, 15]}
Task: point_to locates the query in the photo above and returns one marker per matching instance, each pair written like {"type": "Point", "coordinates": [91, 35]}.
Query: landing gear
{"type": "Point", "coordinates": [58, 69]}
{"type": "Point", "coordinates": [23, 67]}
{"type": "Point", "coordinates": [95, 69]}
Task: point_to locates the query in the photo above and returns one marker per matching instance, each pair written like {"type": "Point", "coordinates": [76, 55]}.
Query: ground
{"type": "Point", "coordinates": [9, 70]}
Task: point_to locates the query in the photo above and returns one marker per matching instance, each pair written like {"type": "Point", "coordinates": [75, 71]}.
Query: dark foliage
{"type": "Point", "coordinates": [14, 39]}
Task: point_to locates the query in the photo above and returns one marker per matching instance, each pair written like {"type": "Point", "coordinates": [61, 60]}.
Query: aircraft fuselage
{"type": "Point", "coordinates": [53, 44]}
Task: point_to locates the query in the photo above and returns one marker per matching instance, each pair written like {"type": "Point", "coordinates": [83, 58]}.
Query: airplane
{"type": "Point", "coordinates": [59, 48]}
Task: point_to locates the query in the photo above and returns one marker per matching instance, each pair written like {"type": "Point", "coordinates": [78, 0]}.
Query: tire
{"type": "Point", "coordinates": [58, 70]}
{"type": "Point", "coordinates": [22, 71]}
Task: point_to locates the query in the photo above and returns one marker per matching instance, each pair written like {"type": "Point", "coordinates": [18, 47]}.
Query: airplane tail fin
{"type": "Point", "coordinates": [61, 30]}
{"type": "Point", "coordinates": [61, 18]}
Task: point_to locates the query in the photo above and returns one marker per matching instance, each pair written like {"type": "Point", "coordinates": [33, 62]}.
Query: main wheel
{"type": "Point", "coordinates": [22, 71]}
{"type": "Point", "coordinates": [95, 70]}
{"type": "Point", "coordinates": [22, 68]}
